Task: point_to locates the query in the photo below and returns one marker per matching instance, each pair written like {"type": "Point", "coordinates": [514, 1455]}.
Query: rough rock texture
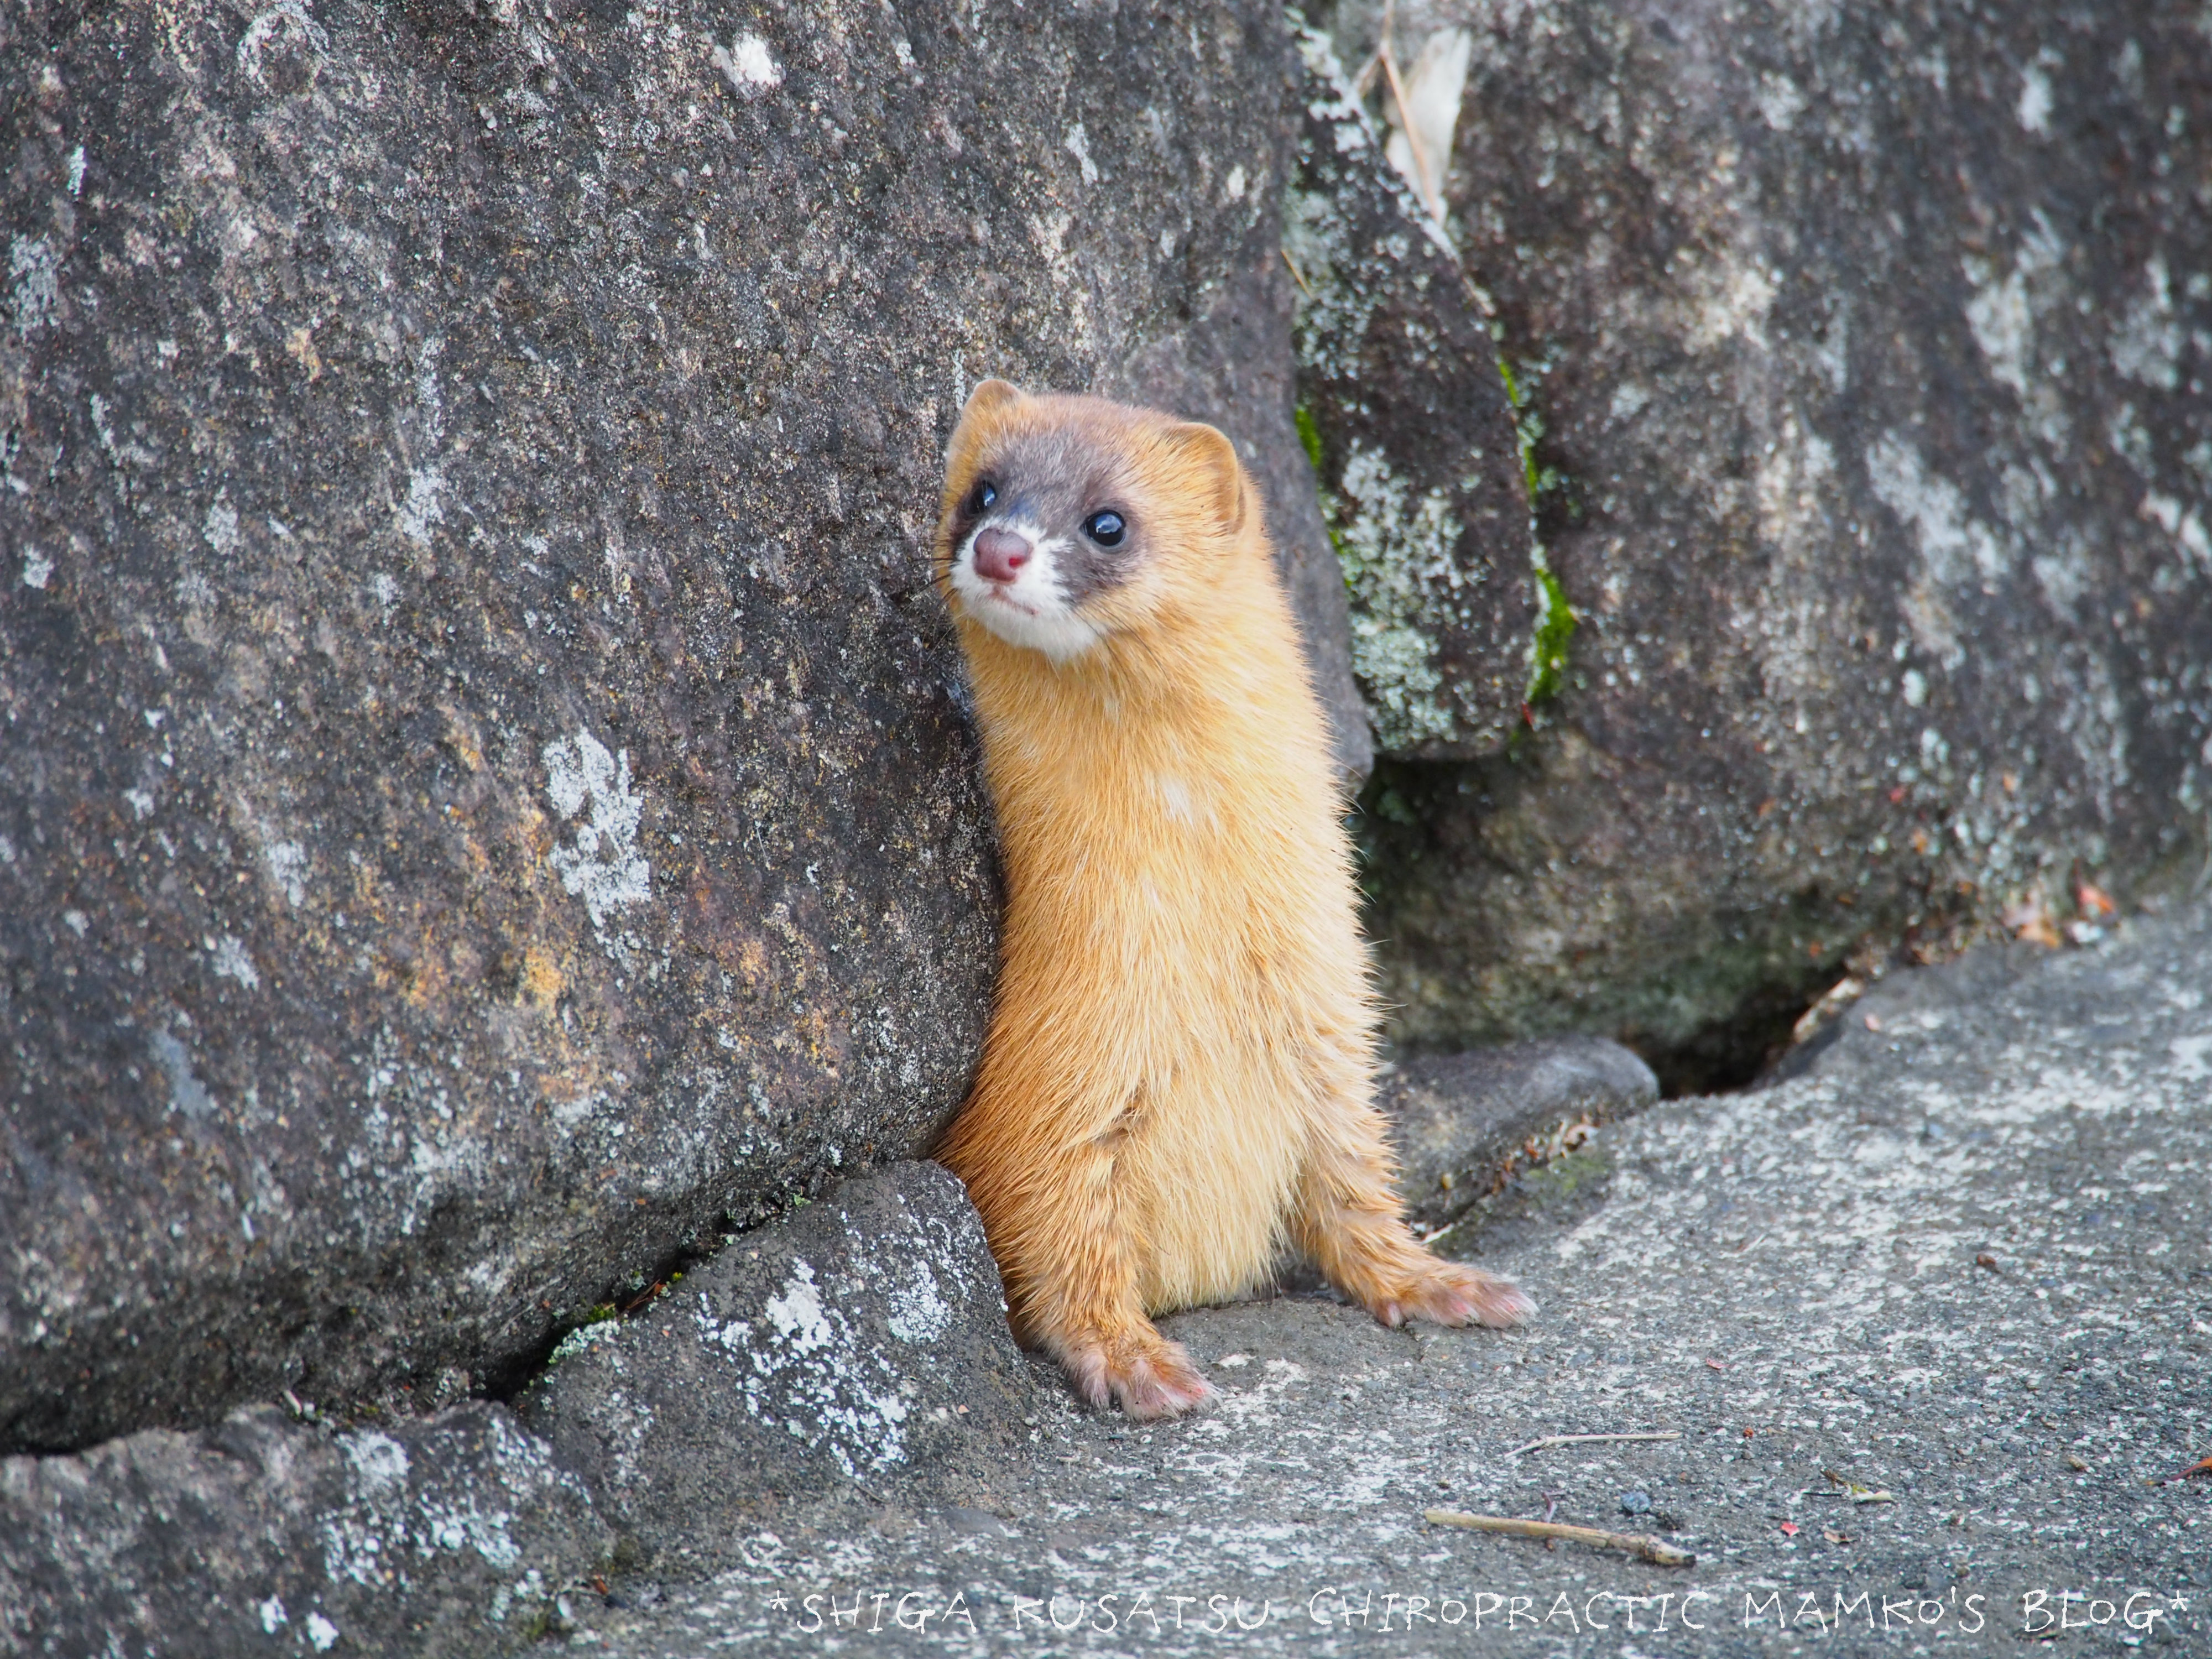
{"type": "Point", "coordinates": [1792, 1280]}
{"type": "Point", "coordinates": [1958, 1268]}
{"type": "Point", "coordinates": [863, 1341]}
{"type": "Point", "coordinates": [1870, 345]}
{"type": "Point", "coordinates": [1465, 1123]}
{"type": "Point", "coordinates": [1410, 426]}
{"type": "Point", "coordinates": [485, 792]}
{"type": "Point", "coordinates": [455, 1536]}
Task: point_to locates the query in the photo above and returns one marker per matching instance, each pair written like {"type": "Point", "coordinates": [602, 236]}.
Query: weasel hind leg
{"type": "Point", "coordinates": [1138, 1369]}
{"type": "Point", "coordinates": [1066, 1260]}
{"type": "Point", "coordinates": [1349, 1221]}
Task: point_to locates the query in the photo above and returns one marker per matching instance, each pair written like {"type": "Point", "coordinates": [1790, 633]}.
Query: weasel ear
{"type": "Point", "coordinates": [987, 396]}
{"type": "Point", "coordinates": [1214, 474]}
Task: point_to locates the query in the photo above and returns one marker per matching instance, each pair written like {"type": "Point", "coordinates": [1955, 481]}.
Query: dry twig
{"type": "Point", "coordinates": [1413, 139]}
{"type": "Point", "coordinates": [1643, 1548]}
{"type": "Point", "coordinates": [1583, 1439]}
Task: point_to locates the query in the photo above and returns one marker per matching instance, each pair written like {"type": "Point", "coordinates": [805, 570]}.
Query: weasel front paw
{"type": "Point", "coordinates": [1448, 1294]}
{"type": "Point", "coordinates": [1147, 1376]}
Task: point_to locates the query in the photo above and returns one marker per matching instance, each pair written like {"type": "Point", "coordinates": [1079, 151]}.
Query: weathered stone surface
{"type": "Point", "coordinates": [454, 1535]}
{"type": "Point", "coordinates": [1870, 345]}
{"type": "Point", "coordinates": [1420, 468]}
{"type": "Point", "coordinates": [1960, 1262]}
{"type": "Point", "coordinates": [862, 1341]}
{"type": "Point", "coordinates": [1465, 1122]}
{"type": "Point", "coordinates": [1789, 1280]}
{"type": "Point", "coordinates": [485, 794]}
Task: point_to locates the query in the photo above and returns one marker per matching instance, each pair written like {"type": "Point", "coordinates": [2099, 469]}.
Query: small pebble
{"type": "Point", "coordinates": [1635, 1503]}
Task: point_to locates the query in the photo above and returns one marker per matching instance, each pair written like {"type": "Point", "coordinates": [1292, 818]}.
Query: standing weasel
{"type": "Point", "coordinates": [1178, 1084]}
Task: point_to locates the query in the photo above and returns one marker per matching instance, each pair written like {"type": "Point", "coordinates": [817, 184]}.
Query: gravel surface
{"type": "Point", "coordinates": [1928, 1318]}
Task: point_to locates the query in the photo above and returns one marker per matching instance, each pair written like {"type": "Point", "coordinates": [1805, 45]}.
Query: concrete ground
{"type": "Point", "coordinates": [1929, 1320]}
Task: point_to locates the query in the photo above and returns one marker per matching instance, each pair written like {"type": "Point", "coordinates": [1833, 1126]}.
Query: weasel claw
{"type": "Point", "coordinates": [1147, 1380]}
{"type": "Point", "coordinates": [1448, 1294]}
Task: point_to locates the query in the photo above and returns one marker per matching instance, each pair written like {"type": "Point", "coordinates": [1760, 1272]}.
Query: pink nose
{"type": "Point", "coordinates": [999, 554]}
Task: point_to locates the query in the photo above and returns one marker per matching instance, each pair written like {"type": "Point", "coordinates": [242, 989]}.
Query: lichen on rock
{"type": "Point", "coordinates": [1401, 565]}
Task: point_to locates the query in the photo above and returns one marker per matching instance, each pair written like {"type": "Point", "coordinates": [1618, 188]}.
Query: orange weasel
{"type": "Point", "coordinates": [1178, 1084]}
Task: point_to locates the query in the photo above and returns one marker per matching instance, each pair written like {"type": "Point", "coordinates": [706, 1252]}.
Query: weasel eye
{"type": "Point", "coordinates": [980, 497]}
{"type": "Point", "coordinates": [1104, 528]}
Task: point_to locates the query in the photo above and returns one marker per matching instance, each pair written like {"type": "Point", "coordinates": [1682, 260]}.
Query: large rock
{"type": "Point", "coordinates": [1407, 419]}
{"type": "Point", "coordinates": [1869, 348]}
{"type": "Point", "coordinates": [861, 1344]}
{"type": "Point", "coordinates": [1465, 1124]}
{"type": "Point", "coordinates": [453, 1536]}
{"type": "Point", "coordinates": [487, 794]}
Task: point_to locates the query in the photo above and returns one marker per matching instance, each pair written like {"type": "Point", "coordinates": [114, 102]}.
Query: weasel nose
{"type": "Point", "coordinates": [999, 554]}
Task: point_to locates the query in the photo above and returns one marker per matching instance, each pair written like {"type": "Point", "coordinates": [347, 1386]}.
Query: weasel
{"type": "Point", "coordinates": [1177, 1086]}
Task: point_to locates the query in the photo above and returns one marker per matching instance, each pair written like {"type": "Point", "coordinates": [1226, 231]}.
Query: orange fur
{"type": "Point", "coordinates": [1177, 1086]}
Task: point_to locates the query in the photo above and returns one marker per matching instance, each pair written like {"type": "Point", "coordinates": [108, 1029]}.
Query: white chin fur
{"type": "Point", "coordinates": [1031, 610]}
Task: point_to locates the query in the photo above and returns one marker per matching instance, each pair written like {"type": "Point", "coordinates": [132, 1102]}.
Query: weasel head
{"type": "Point", "coordinates": [1067, 521]}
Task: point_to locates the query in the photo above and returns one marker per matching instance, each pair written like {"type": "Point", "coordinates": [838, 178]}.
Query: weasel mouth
{"type": "Point", "coordinates": [1000, 596]}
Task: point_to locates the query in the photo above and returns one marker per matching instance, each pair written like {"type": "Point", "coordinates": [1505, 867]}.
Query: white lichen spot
{"type": "Point", "coordinates": [76, 921]}
{"type": "Point", "coordinates": [220, 528]}
{"type": "Point", "coordinates": [1733, 303]}
{"type": "Point", "coordinates": [229, 955]}
{"type": "Point", "coordinates": [1956, 547]}
{"type": "Point", "coordinates": [384, 591]}
{"type": "Point", "coordinates": [604, 867]}
{"type": "Point", "coordinates": [287, 21]}
{"type": "Point", "coordinates": [422, 508]}
{"type": "Point", "coordinates": [1629, 400]}
{"type": "Point", "coordinates": [2064, 575]}
{"type": "Point", "coordinates": [2146, 344]}
{"type": "Point", "coordinates": [321, 1632]}
{"type": "Point", "coordinates": [2191, 1064]}
{"type": "Point", "coordinates": [1791, 479]}
{"type": "Point", "coordinates": [2131, 438]}
{"type": "Point", "coordinates": [919, 1312]}
{"type": "Point", "coordinates": [1235, 183]}
{"type": "Point", "coordinates": [747, 65]}
{"type": "Point", "coordinates": [1998, 315]}
{"type": "Point", "coordinates": [1781, 101]}
{"type": "Point", "coordinates": [273, 1616]}
{"type": "Point", "coordinates": [584, 1338]}
{"type": "Point", "coordinates": [1077, 144]}
{"type": "Point", "coordinates": [37, 568]}
{"type": "Point", "coordinates": [33, 283]}
{"type": "Point", "coordinates": [455, 1525]}
{"type": "Point", "coordinates": [2034, 106]}
{"type": "Point", "coordinates": [187, 1094]}
{"type": "Point", "coordinates": [379, 1462]}
{"type": "Point", "coordinates": [1399, 556]}
{"type": "Point", "coordinates": [2182, 523]}
{"type": "Point", "coordinates": [1914, 688]}
{"type": "Point", "coordinates": [287, 868]}
{"type": "Point", "coordinates": [798, 1312]}
{"type": "Point", "coordinates": [142, 803]}
{"type": "Point", "coordinates": [76, 172]}
{"type": "Point", "coordinates": [1050, 236]}
{"type": "Point", "coordinates": [813, 1375]}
